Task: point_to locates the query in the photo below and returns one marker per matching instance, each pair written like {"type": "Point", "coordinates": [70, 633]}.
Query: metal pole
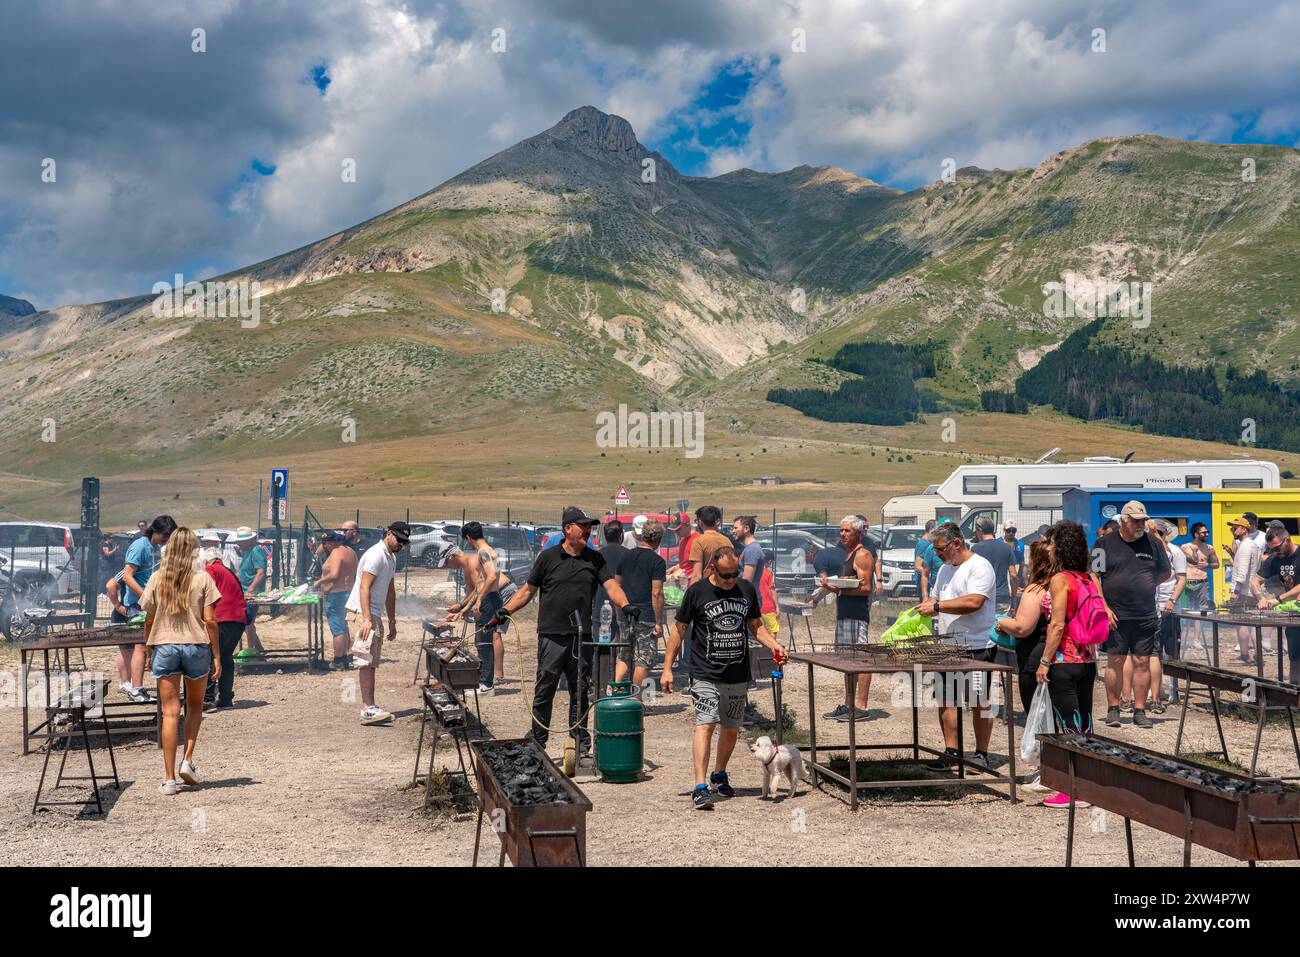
{"type": "Point", "coordinates": [258, 516]}
{"type": "Point", "coordinates": [406, 579]}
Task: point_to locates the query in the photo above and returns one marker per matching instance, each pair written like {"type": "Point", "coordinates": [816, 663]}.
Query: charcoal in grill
{"type": "Point", "coordinates": [522, 776]}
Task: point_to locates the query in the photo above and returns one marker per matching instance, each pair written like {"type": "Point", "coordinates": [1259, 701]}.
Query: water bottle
{"type": "Point", "coordinates": [606, 621]}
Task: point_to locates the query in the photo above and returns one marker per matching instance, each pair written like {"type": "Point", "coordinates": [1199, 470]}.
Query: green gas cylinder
{"type": "Point", "coordinates": [620, 734]}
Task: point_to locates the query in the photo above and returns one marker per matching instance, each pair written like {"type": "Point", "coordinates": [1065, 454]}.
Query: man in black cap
{"type": "Point", "coordinates": [1281, 582]}
{"type": "Point", "coordinates": [374, 592]}
{"type": "Point", "coordinates": [567, 576]}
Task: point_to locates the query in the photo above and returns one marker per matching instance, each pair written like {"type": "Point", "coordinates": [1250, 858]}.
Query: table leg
{"type": "Point", "coordinates": [916, 714]}
{"type": "Point", "coordinates": [1182, 716]}
{"type": "Point", "coordinates": [1295, 743]}
{"type": "Point", "coordinates": [22, 693]}
{"type": "Point", "coordinates": [1069, 833]}
{"type": "Point", "coordinates": [1187, 828]}
{"type": "Point", "coordinates": [1128, 838]}
{"type": "Point", "coordinates": [1261, 703]}
{"type": "Point", "coordinates": [1214, 703]}
{"type": "Point", "coordinates": [1259, 651]}
{"type": "Point", "coordinates": [850, 694]}
{"type": "Point", "coordinates": [1214, 625]}
{"type": "Point", "coordinates": [1011, 730]}
{"type": "Point", "coordinates": [961, 747]}
{"type": "Point", "coordinates": [812, 726]}
{"type": "Point", "coordinates": [1281, 640]}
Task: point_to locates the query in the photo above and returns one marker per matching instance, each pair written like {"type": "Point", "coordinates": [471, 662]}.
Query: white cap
{"type": "Point", "coordinates": [638, 523]}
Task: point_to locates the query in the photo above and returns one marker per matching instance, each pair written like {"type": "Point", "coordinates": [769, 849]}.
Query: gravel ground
{"type": "Point", "coordinates": [290, 777]}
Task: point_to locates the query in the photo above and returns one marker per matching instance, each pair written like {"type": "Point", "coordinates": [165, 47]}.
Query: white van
{"type": "Point", "coordinates": [1031, 495]}
{"type": "Point", "coordinates": [42, 556]}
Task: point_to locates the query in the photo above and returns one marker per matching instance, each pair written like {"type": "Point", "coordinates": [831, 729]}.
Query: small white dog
{"type": "Point", "coordinates": [783, 761]}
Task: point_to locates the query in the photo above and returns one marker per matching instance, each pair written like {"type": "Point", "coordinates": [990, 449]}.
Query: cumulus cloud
{"type": "Point", "coordinates": [156, 144]}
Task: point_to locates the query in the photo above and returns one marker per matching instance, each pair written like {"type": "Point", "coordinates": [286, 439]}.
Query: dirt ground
{"type": "Point", "coordinates": [289, 776]}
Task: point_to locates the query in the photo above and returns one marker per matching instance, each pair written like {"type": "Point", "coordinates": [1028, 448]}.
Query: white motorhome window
{"type": "Point", "coordinates": [1192, 481]}
{"type": "Point", "coordinates": [1124, 485]}
{"type": "Point", "coordinates": [1042, 496]}
{"type": "Point", "coordinates": [979, 485]}
{"type": "Point", "coordinates": [1243, 483]}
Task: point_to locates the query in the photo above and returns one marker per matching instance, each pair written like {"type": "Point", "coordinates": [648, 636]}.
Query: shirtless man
{"type": "Point", "coordinates": [482, 603]}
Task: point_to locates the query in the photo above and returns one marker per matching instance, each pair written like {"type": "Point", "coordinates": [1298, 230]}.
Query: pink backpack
{"type": "Point", "coordinates": [1089, 624]}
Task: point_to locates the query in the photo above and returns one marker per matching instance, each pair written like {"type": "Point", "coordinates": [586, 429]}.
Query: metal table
{"type": "Point", "coordinates": [1265, 694]}
{"type": "Point", "coordinates": [105, 636]}
{"type": "Point", "coordinates": [851, 665]}
{"type": "Point", "coordinates": [315, 648]}
{"type": "Point", "coordinates": [1259, 620]}
{"type": "Point", "coordinates": [804, 609]}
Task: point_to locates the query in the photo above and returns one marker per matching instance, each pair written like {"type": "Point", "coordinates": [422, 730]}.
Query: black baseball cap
{"type": "Point", "coordinates": [1275, 527]}
{"type": "Point", "coordinates": [576, 516]}
{"type": "Point", "coordinates": [401, 530]}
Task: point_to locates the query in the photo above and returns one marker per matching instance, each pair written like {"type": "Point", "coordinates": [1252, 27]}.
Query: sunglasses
{"type": "Point", "coordinates": [727, 577]}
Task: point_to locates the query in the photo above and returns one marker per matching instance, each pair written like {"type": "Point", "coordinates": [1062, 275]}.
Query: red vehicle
{"type": "Point", "coordinates": [668, 545]}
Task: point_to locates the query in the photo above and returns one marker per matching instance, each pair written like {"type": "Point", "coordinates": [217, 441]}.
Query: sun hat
{"type": "Point", "coordinates": [244, 534]}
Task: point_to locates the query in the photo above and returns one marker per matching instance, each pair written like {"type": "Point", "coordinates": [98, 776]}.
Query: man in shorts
{"type": "Point", "coordinates": [1131, 564]}
{"type": "Point", "coordinates": [338, 573]}
{"type": "Point", "coordinates": [373, 593]}
{"type": "Point", "coordinates": [1280, 582]}
{"type": "Point", "coordinates": [1201, 560]}
{"type": "Point", "coordinates": [853, 609]}
{"type": "Point", "coordinates": [641, 576]}
{"type": "Point", "coordinates": [724, 611]}
{"type": "Point", "coordinates": [962, 599]}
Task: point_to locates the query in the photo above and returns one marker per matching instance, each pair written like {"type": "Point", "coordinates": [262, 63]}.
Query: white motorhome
{"type": "Point", "coordinates": [1030, 495]}
{"type": "Point", "coordinates": [919, 509]}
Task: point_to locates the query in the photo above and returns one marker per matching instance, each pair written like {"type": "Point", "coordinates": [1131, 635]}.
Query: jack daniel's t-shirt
{"type": "Point", "coordinates": [720, 637]}
{"type": "Point", "coordinates": [1278, 572]}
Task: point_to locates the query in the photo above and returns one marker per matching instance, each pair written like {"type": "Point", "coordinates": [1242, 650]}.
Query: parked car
{"type": "Point", "coordinates": [42, 558]}
{"type": "Point", "coordinates": [792, 548]}
{"type": "Point", "coordinates": [514, 554]}
{"type": "Point", "coordinates": [431, 541]}
{"type": "Point", "coordinates": [898, 559]}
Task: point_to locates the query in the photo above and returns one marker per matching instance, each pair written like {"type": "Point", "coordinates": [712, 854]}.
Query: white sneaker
{"type": "Point", "coordinates": [375, 715]}
{"type": "Point", "coordinates": [125, 687]}
{"type": "Point", "coordinates": [168, 787]}
{"type": "Point", "coordinates": [188, 773]}
{"type": "Point", "coordinates": [486, 690]}
{"type": "Point", "coordinates": [138, 696]}
{"type": "Point", "coordinates": [1036, 784]}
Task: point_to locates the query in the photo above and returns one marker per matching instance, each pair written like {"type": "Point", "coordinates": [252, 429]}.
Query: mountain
{"type": "Point", "coordinates": [620, 279]}
{"type": "Point", "coordinates": [15, 308]}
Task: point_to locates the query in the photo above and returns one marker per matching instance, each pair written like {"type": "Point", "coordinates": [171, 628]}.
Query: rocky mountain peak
{"type": "Point", "coordinates": [588, 126]}
{"type": "Point", "coordinates": [9, 306]}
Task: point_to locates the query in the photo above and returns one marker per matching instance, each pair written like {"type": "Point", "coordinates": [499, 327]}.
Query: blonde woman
{"type": "Point", "coordinates": [181, 634]}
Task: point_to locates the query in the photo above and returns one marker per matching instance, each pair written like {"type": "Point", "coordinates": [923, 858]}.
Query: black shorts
{"type": "Point", "coordinates": [1170, 635]}
{"type": "Point", "coordinates": [1133, 636]}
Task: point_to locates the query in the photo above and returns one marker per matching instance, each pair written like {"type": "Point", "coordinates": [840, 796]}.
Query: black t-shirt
{"type": "Point", "coordinates": [1001, 555]}
{"type": "Point", "coordinates": [567, 584]}
{"type": "Point", "coordinates": [1278, 572]}
{"type": "Point", "coordinates": [1132, 571]}
{"type": "Point", "coordinates": [720, 629]}
{"type": "Point", "coordinates": [829, 560]}
{"type": "Point", "coordinates": [614, 555]}
{"type": "Point", "coordinates": [639, 568]}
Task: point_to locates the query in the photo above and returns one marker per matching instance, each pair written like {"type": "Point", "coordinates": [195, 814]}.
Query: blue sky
{"type": "Point", "coordinates": [172, 160]}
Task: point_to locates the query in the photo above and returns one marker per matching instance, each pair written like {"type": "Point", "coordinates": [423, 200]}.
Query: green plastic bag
{"type": "Point", "coordinates": [910, 624]}
{"type": "Point", "coordinates": [673, 596]}
{"type": "Point", "coordinates": [1290, 607]}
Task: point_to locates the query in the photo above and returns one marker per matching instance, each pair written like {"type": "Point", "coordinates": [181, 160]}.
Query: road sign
{"type": "Point", "coordinates": [622, 498]}
{"type": "Point", "coordinates": [279, 495]}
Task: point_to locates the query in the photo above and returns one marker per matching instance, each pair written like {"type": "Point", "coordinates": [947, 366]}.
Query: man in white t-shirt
{"type": "Point", "coordinates": [963, 597]}
{"type": "Point", "coordinates": [373, 592]}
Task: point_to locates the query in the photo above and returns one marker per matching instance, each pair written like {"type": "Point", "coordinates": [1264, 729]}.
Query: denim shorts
{"type": "Point", "coordinates": [193, 661]}
{"type": "Point", "coordinates": [336, 612]}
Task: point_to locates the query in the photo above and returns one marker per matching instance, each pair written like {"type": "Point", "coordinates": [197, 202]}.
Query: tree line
{"type": "Point", "coordinates": [1093, 380]}
{"type": "Point", "coordinates": [886, 392]}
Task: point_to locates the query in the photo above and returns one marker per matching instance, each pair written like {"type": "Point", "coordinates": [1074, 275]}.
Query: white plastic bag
{"type": "Point", "coordinates": [1038, 721]}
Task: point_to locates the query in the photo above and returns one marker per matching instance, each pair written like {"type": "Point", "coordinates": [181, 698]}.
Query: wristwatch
{"type": "Point", "coordinates": [1044, 662]}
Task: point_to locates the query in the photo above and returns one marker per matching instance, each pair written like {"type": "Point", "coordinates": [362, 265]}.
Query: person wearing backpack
{"type": "Point", "coordinates": [1077, 626]}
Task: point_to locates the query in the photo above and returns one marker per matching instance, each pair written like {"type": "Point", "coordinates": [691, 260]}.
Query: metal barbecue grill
{"type": "Point", "coordinates": [1246, 818]}
{"type": "Point", "coordinates": [1257, 619]}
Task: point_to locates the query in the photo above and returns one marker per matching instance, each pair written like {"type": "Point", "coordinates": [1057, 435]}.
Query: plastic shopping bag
{"type": "Point", "coordinates": [361, 645]}
{"type": "Point", "coordinates": [1039, 721]}
{"type": "Point", "coordinates": [910, 624]}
